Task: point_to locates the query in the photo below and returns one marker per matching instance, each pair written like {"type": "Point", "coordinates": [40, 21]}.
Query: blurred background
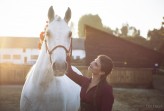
{"type": "Point", "coordinates": [131, 32]}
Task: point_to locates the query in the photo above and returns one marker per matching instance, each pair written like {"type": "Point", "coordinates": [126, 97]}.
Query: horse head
{"type": "Point", "coordinates": [58, 40]}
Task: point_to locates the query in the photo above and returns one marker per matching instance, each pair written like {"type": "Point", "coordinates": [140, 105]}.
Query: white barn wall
{"type": "Point", "coordinates": [28, 53]}
{"type": "Point", "coordinates": [78, 54]}
{"type": "Point", "coordinates": [24, 50]}
{"type": "Point", "coordinates": [18, 51]}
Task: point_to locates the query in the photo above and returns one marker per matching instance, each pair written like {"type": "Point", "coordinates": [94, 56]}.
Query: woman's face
{"type": "Point", "coordinates": [95, 66]}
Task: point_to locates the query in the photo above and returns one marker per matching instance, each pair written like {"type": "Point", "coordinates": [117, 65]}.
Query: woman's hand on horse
{"type": "Point", "coordinates": [69, 68]}
{"type": "Point", "coordinates": [68, 59]}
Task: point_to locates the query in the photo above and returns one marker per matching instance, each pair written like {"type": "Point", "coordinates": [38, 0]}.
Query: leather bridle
{"type": "Point", "coordinates": [68, 51]}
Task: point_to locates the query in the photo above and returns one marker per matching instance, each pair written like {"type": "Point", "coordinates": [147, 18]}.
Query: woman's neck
{"type": "Point", "coordinates": [95, 79]}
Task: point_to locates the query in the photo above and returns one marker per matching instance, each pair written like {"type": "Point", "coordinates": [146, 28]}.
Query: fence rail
{"type": "Point", "coordinates": [120, 77]}
{"type": "Point", "coordinates": [13, 74]}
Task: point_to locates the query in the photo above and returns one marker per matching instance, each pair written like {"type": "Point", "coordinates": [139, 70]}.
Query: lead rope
{"type": "Point", "coordinates": [70, 48]}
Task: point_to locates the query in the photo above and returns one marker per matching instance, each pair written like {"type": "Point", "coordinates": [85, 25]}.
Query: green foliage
{"type": "Point", "coordinates": [156, 38]}
{"type": "Point", "coordinates": [91, 20]}
{"type": "Point", "coordinates": [124, 30]}
{"type": "Point", "coordinates": [131, 34]}
{"type": "Point", "coordinates": [156, 34]}
{"type": "Point", "coordinates": [127, 31]}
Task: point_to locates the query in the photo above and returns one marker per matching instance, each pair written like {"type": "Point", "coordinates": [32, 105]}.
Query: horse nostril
{"type": "Point", "coordinates": [59, 66]}
{"type": "Point", "coordinates": [65, 65]}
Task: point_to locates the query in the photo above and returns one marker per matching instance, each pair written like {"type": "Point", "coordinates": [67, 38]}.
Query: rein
{"type": "Point", "coordinates": [68, 51]}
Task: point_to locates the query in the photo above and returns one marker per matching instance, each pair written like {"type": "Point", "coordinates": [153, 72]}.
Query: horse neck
{"type": "Point", "coordinates": [43, 58]}
{"type": "Point", "coordinates": [42, 71]}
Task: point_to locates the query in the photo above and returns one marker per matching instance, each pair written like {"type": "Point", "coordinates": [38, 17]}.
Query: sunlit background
{"type": "Point", "coordinates": [139, 62]}
{"type": "Point", "coordinates": [26, 18]}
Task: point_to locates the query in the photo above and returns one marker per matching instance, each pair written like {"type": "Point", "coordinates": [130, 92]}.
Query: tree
{"type": "Point", "coordinates": [124, 30]}
{"type": "Point", "coordinates": [91, 20]}
{"type": "Point", "coordinates": [156, 37]}
{"type": "Point", "coordinates": [134, 32]}
{"type": "Point", "coordinates": [131, 34]}
{"type": "Point", "coordinates": [116, 32]}
{"type": "Point", "coordinates": [127, 31]}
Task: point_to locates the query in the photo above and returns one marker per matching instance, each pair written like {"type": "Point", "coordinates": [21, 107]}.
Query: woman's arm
{"type": "Point", "coordinates": [79, 79]}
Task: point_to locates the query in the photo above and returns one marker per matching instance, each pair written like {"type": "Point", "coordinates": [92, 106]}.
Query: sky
{"type": "Point", "coordinates": [27, 18]}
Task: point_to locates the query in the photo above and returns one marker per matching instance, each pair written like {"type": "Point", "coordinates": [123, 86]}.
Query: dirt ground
{"type": "Point", "coordinates": [126, 99]}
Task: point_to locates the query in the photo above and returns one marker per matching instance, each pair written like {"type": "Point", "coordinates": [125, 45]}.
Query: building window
{"type": "Point", "coordinates": [34, 56]}
{"type": "Point", "coordinates": [16, 56]}
{"type": "Point", "coordinates": [24, 50]}
{"type": "Point", "coordinates": [6, 56]}
{"type": "Point", "coordinates": [25, 60]}
{"type": "Point", "coordinates": [77, 57]}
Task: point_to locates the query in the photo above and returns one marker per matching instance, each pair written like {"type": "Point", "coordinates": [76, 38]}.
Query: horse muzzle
{"type": "Point", "coordinates": [59, 68]}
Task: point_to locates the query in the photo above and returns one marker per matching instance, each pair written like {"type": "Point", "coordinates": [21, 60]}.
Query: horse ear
{"type": "Point", "coordinates": [67, 15]}
{"type": "Point", "coordinates": [51, 14]}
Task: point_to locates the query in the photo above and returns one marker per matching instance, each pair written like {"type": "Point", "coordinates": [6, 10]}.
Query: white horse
{"type": "Point", "coordinates": [46, 88]}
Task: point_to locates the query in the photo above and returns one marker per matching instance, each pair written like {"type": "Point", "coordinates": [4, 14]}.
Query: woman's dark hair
{"type": "Point", "coordinates": [106, 64]}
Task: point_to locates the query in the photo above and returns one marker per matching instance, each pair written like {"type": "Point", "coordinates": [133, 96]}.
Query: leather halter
{"type": "Point", "coordinates": [68, 51]}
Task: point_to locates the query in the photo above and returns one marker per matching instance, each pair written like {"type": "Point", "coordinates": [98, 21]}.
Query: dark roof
{"type": "Point", "coordinates": [122, 39]}
{"type": "Point", "coordinates": [162, 48]}
{"type": "Point", "coordinates": [123, 52]}
{"type": "Point", "coordinates": [32, 42]}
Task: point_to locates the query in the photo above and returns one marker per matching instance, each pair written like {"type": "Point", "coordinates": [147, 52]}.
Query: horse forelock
{"type": "Point", "coordinates": [57, 18]}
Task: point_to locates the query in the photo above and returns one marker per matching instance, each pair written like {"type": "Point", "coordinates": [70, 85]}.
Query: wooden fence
{"type": "Point", "coordinates": [127, 77]}
{"type": "Point", "coordinates": [131, 77]}
{"type": "Point", "coordinates": [13, 74]}
{"type": "Point", "coordinates": [120, 77]}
